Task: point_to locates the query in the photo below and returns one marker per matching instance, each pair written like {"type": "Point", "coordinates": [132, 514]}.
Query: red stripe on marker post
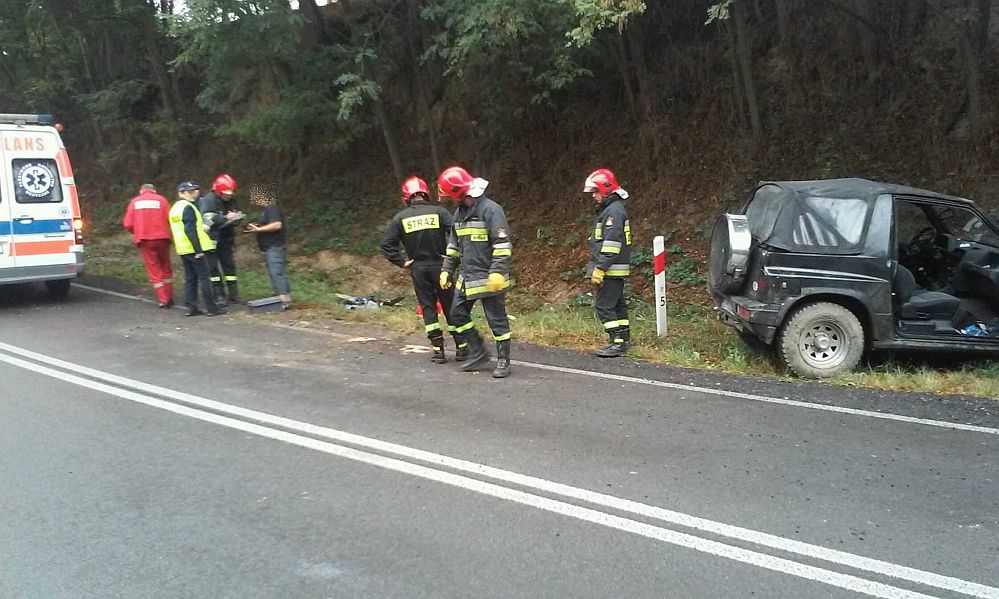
{"type": "Point", "coordinates": [659, 270]}
{"type": "Point", "coordinates": [659, 263]}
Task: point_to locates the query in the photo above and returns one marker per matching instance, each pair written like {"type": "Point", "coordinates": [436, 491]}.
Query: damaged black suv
{"type": "Point", "coordinates": [826, 270]}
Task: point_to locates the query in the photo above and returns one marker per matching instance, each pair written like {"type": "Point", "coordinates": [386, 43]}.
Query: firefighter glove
{"type": "Point", "coordinates": [495, 282]}
{"type": "Point", "coordinates": [445, 279]}
{"type": "Point", "coordinates": [597, 277]}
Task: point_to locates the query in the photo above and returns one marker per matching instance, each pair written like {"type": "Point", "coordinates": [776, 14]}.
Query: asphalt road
{"type": "Point", "coordinates": [144, 454]}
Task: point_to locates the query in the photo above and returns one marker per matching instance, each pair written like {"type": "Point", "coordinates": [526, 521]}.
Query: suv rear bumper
{"type": "Point", "coordinates": [749, 316]}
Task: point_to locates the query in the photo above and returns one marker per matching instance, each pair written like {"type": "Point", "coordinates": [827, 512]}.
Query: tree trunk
{"type": "Point", "coordinates": [621, 59]}
{"type": "Point", "coordinates": [391, 142]}
{"type": "Point", "coordinates": [316, 29]}
{"type": "Point", "coordinates": [162, 80]}
{"type": "Point", "coordinates": [913, 17]}
{"type": "Point", "coordinates": [973, 41]}
{"type": "Point", "coordinates": [992, 23]}
{"type": "Point", "coordinates": [784, 23]}
{"type": "Point", "coordinates": [739, 101]}
{"type": "Point", "coordinates": [428, 114]}
{"type": "Point", "coordinates": [746, 68]}
{"type": "Point", "coordinates": [634, 33]}
{"type": "Point", "coordinates": [388, 132]}
{"type": "Point", "coordinates": [868, 39]}
{"type": "Point", "coordinates": [415, 46]}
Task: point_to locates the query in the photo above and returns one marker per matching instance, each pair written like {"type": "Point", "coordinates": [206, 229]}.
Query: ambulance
{"type": "Point", "coordinates": [41, 229]}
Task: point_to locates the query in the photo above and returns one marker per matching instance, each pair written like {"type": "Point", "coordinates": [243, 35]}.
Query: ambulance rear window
{"type": "Point", "coordinates": [36, 181]}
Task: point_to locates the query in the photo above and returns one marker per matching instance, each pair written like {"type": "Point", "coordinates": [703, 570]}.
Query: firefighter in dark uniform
{"type": "Point", "coordinates": [422, 229]}
{"type": "Point", "coordinates": [219, 209]}
{"type": "Point", "coordinates": [479, 253]}
{"type": "Point", "coordinates": [610, 260]}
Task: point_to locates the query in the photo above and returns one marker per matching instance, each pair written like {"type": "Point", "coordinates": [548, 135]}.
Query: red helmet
{"type": "Point", "coordinates": [602, 181]}
{"type": "Point", "coordinates": [413, 186]}
{"type": "Point", "coordinates": [455, 183]}
{"type": "Point", "coordinates": [224, 184]}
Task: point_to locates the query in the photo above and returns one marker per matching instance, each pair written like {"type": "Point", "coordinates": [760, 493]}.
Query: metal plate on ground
{"type": "Point", "coordinates": [267, 304]}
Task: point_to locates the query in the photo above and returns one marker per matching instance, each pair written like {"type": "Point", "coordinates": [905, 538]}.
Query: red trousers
{"type": "Point", "coordinates": [156, 257]}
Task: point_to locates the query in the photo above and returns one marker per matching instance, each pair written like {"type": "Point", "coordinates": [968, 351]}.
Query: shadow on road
{"type": "Point", "coordinates": [30, 295]}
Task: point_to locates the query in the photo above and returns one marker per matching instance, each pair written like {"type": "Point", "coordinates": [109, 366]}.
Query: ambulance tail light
{"type": "Point", "coordinates": [78, 230]}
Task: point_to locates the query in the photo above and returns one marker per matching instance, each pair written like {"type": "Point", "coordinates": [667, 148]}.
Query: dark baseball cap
{"type": "Point", "coordinates": [188, 186]}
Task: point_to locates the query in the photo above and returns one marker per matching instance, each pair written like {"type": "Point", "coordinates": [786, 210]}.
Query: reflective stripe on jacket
{"type": "Point", "coordinates": [479, 245]}
{"type": "Point", "coordinates": [181, 241]}
{"type": "Point", "coordinates": [213, 209]}
{"type": "Point", "coordinates": [146, 217]}
{"type": "Point", "coordinates": [610, 241]}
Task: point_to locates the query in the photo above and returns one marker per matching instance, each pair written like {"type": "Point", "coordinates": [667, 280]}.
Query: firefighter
{"type": "Point", "coordinates": [191, 241]}
{"type": "Point", "coordinates": [423, 230]}
{"type": "Point", "coordinates": [218, 208]}
{"type": "Point", "coordinates": [147, 219]}
{"type": "Point", "coordinates": [479, 252]}
{"type": "Point", "coordinates": [610, 258]}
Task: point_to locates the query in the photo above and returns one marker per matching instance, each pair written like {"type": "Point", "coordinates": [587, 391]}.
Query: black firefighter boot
{"type": "Point", "coordinates": [218, 289]}
{"type": "Point", "coordinates": [502, 360]}
{"type": "Point", "coordinates": [460, 348]}
{"type": "Point", "coordinates": [614, 349]}
{"type": "Point", "coordinates": [477, 354]}
{"type": "Point", "coordinates": [626, 336]}
{"type": "Point", "coordinates": [233, 287]}
{"type": "Point", "coordinates": [438, 357]}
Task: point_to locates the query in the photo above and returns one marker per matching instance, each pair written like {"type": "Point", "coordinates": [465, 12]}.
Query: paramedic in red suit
{"type": "Point", "coordinates": [147, 219]}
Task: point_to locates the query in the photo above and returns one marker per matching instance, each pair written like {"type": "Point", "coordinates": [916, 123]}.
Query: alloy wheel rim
{"type": "Point", "coordinates": [824, 344]}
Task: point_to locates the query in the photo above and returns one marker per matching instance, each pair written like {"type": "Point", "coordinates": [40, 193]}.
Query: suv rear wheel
{"type": "Point", "coordinates": [822, 340]}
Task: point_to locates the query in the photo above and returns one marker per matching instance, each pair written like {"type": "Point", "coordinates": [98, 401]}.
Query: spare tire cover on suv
{"type": "Point", "coordinates": [730, 245]}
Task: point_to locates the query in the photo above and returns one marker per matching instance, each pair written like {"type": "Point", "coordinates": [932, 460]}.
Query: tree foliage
{"type": "Point", "coordinates": [419, 83]}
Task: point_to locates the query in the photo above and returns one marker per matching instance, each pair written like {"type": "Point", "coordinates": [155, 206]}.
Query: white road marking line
{"type": "Point", "coordinates": [813, 573]}
{"type": "Point", "coordinates": [114, 293]}
{"type": "Point", "coordinates": [762, 398]}
{"type": "Point", "coordinates": [690, 388]}
{"type": "Point", "coordinates": [607, 501]}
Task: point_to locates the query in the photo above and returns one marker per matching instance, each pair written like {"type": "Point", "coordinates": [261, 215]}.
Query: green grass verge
{"type": "Point", "coordinates": [696, 338]}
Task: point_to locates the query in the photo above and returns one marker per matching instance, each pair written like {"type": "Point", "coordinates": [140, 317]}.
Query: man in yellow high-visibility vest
{"type": "Point", "coordinates": [191, 240]}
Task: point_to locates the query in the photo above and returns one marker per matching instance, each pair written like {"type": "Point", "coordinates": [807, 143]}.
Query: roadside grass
{"type": "Point", "coordinates": [696, 338]}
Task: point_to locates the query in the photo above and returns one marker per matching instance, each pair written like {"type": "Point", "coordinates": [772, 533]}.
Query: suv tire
{"type": "Point", "coordinates": [728, 262]}
{"type": "Point", "coordinates": [58, 288]}
{"type": "Point", "coordinates": [822, 340]}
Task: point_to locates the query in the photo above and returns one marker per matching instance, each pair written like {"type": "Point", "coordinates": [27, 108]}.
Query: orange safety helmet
{"type": "Point", "coordinates": [224, 184]}
{"type": "Point", "coordinates": [602, 181]}
{"type": "Point", "coordinates": [413, 186]}
{"type": "Point", "coordinates": [455, 183]}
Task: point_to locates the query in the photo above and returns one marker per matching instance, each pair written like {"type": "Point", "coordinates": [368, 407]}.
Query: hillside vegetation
{"type": "Point", "coordinates": [691, 102]}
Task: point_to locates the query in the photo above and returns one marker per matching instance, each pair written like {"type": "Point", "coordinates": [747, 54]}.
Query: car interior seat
{"type": "Point", "coordinates": [922, 304]}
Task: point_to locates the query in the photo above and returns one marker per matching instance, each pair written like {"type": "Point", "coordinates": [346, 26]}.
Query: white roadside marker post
{"type": "Point", "coordinates": [659, 268]}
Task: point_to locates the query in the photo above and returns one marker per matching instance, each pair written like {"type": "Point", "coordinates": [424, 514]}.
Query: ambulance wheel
{"type": "Point", "coordinates": [59, 288]}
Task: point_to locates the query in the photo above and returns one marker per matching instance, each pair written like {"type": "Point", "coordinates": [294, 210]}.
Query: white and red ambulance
{"type": "Point", "coordinates": [41, 229]}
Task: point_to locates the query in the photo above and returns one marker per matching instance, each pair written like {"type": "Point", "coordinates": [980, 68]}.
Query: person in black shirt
{"type": "Point", "coordinates": [271, 240]}
{"type": "Point", "coordinates": [422, 229]}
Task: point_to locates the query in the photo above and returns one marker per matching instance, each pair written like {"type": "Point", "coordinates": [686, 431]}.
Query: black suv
{"type": "Point", "coordinates": [825, 270]}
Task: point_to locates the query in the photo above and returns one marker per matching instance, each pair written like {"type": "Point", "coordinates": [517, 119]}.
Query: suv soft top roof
{"type": "Point", "coordinates": [856, 189]}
